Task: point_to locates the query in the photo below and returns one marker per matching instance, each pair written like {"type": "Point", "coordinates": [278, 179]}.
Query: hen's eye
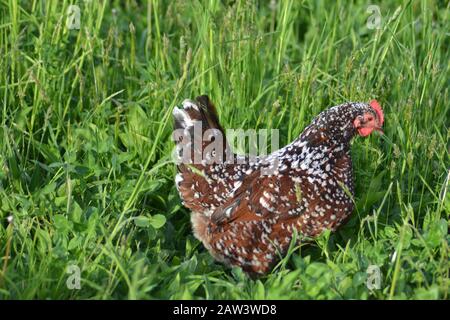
{"type": "Point", "coordinates": [370, 118]}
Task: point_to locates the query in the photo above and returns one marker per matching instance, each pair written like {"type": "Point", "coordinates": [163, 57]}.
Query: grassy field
{"type": "Point", "coordinates": [86, 171]}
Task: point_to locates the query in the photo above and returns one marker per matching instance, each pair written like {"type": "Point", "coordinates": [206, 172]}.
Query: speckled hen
{"type": "Point", "coordinates": [245, 214]}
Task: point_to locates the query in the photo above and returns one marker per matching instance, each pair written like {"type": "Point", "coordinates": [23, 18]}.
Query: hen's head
{"type": "Point", "coordinates": [341, 123]}
{"type": "Point", "coordinates": [368, 121]}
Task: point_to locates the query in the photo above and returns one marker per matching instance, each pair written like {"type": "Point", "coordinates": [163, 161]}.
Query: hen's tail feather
{"type": "Point", "coordinates": [194, 179]}
{"type": "Point", "coordinates": [200, 124]}
{"type": "Point", "coordinates": [200, 110]}
{"type": "Point", "coordinates": [209, 112]}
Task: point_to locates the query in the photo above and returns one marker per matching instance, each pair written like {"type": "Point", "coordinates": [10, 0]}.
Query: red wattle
{"type": "Point", "coordinates": [364, 132]}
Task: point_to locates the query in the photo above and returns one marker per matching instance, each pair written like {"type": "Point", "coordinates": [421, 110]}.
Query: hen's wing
{"type": "Point", "coordinates": [251, 227]}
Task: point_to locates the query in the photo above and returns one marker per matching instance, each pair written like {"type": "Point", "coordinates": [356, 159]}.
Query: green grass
{"type": "Point", "coordinates": [85, 142]}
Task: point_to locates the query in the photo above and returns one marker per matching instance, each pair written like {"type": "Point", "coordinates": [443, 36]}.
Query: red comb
{"type": "Point", "coordinates": [376, 106]}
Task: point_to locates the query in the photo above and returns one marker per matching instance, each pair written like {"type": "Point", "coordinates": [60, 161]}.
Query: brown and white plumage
{"type": "Point", "coordinates": [245, 216]}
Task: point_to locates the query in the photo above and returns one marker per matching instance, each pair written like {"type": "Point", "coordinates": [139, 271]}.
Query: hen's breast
{"type": "Point", "coordinates": [316, 186]}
